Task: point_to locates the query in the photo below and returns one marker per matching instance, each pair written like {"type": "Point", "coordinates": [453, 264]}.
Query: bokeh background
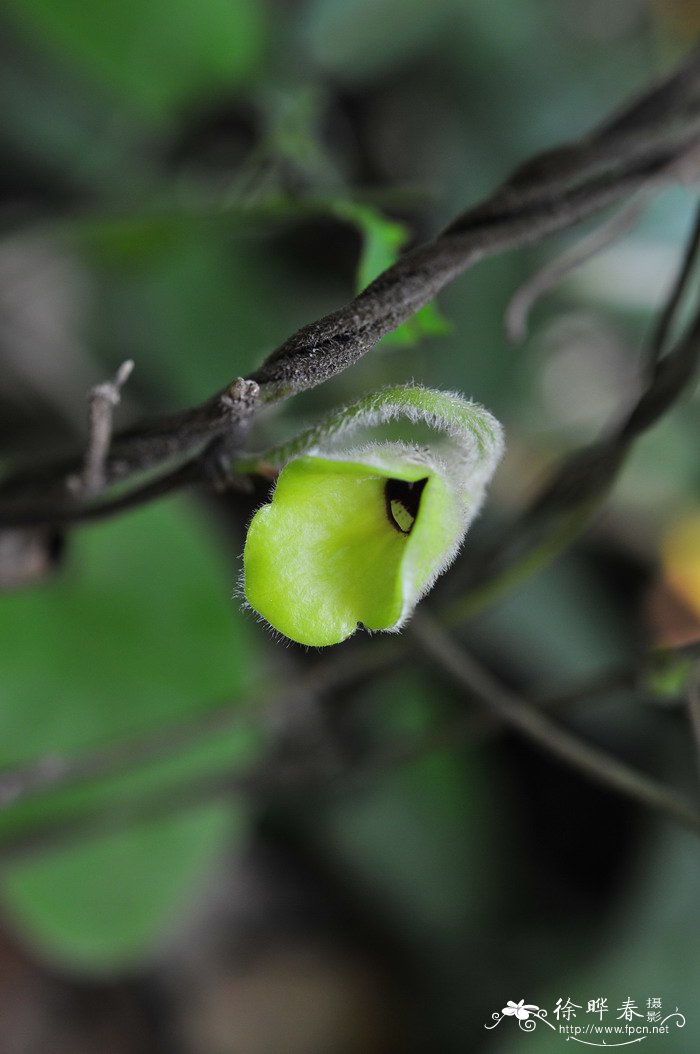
{"type": "Point", "coordinates": [185, 183]}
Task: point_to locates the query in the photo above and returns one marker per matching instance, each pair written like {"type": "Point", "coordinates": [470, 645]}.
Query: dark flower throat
{"type": "Point", "coordinates": [402, 500]}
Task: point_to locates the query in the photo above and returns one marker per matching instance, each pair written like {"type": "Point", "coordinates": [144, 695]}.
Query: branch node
{"type": "Point", "coordinates": [241, 397]}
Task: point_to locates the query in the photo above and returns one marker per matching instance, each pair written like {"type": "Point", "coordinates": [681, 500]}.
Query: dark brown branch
{"type": "Point", "coordinates": [654, 136]}
{"type": "Point", "coordinates": [46, 496]}
{"type": "Point", "coordinates": [550, 193]}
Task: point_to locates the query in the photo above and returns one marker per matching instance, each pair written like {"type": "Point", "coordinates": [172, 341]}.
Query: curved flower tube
{"type": "Point", "coordinates": [356, 537]}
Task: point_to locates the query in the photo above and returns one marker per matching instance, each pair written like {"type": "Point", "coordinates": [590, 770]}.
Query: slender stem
{"type": "Point", "coordinates": [104, 398]}
{"type": "Point", "coordinates": [554, 272]}
{"type": "Point", "coordinates": [470, 431]}
{"type": "Point", "coordinates": [664, 324]}
{"type": "Point", "coordinates": [539, 729]}
{"type": "Point", "coordinates": [507, 578]}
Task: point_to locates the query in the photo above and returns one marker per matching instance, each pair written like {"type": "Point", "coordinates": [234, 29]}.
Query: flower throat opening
{"type": "Point", "coordinates": [402, 500]}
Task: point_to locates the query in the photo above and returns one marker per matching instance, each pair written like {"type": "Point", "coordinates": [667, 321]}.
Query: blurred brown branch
{"type": "Point", "coordinates": [655, 136]}
{"type": "Point", "coordinates": [517, 714]}
{"type": "Point", "coordinates": [554, 272]}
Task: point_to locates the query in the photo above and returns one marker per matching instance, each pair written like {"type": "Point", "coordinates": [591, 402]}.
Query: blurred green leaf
{"type": "Point", "coordinates": [140, 631]}
{"type": "Point", "coordinates": [108, 903]}
{"type": "Point", "coordinates": [382, 240]}
{"type": "Point", "coordinates": [99, 653]}
{"type": "Point", "coordinates": [154, 54]}
{"type": "Point", "coordinates": [668, 678]}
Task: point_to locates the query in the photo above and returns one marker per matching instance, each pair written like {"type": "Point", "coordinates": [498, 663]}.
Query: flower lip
{"type": "Point", "coordinates": [355, 537]}
{"type": "Point", "coordinates": [402, 498]}
{"type": "Point", "coordinates": [323, 555]}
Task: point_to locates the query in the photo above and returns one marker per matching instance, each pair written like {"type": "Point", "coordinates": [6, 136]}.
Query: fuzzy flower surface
{"type": "Point", "coordinates": [346, 543]}
{"type": "Point", "coordinates": [355, 538]}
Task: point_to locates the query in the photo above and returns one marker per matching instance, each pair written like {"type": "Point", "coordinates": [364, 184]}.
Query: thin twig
{"type": "Point", "coordinates": [539, 729]}
{"type": "Point", "coordinates": [555, 271]}
{"type": "Point", "coordinates": [662, 330]}
{"type": "Point", "coordinates": [90, 822]}
{"type": "Point", "coordinates": [104, 398]}
{"type": "Point", "coordinates": [40, 492]}
{"type": "Point", "coordinates": [305, 772]}
{"type": "Point", "coordinates": [185, 475]}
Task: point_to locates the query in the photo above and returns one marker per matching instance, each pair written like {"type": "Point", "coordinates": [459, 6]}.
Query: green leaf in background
{"type": "Point", "coordinates": [139, 631]}
{"type": "Point", "coordinates": [382, 240]}
{"type": "Point", "coordinates": [107, 903]}
{"type": "Point", "coordinates": [155, 55]}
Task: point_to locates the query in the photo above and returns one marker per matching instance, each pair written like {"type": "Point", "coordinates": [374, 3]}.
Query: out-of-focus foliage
{"type": "Point", "coordinates": [382, 239]}
{"type": "Point", "coordinates": [151, 56]}
{"type": "Point", "coordinates": [140, 632]}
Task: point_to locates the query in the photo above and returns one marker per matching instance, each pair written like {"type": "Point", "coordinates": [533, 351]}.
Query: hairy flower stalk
{"type": "Point", "coordinates": [355, 537]}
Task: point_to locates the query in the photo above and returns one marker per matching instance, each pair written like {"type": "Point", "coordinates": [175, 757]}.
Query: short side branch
{"type": "Point", "coordinates": [104, 398]}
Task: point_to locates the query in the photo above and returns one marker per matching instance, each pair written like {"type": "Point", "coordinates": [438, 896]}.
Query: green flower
{"type": "Point", "coordinates": [347, 542]}
{"type": "Point", "coordinates": [356, 538]}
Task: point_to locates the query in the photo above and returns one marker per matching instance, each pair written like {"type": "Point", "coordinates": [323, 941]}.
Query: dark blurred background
{"type": "Point", "coordinates": [185, 184]}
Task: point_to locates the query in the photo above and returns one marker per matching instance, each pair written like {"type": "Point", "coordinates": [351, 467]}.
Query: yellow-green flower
{"type": "Point", "coordinates": [347, 542]}
{"type": "Point", "coordinates": [356, 538]}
